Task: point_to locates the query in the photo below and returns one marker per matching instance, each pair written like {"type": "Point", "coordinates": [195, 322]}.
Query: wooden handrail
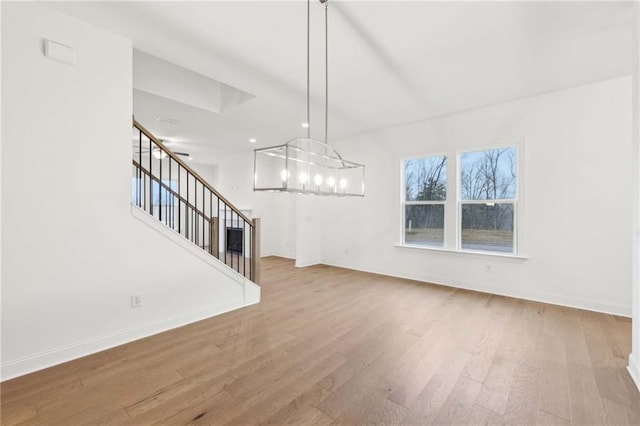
{"type": "Point", "coordinates": [214, 221]}
{"type": "Point", "coordinates": [190, 170]}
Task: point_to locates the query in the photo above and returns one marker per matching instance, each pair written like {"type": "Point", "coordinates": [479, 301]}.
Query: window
{"type": "Point", "coordinates": [159, 196]}
{"type": "Point", "coordinates": [481, 212]}
{"type": "Point", "coordinates": [488, 199]}
{"type": "Point", "coordinates": [425, 193]}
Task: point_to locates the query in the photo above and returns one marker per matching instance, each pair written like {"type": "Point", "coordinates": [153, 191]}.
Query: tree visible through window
{"type": "Point", "coordinates": [488, 196]}
{"type": "Point", "coordinates": [425, 191]}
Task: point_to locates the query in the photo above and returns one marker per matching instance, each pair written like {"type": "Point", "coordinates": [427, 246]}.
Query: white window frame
{"type": "Point", "coordinates": [404, 202]}
{"type": "Point", "coordinates": [453, 206]}
{"type": "Point", "coordinates": [513, 201]}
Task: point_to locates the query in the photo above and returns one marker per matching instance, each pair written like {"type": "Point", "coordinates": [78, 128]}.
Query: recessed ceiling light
{"type": "Point", "coordinates": [252, 140]}
{"type": "Point", "coordinates": [167, 120]}
{"type": "Point", "coordinates": [305, 125]}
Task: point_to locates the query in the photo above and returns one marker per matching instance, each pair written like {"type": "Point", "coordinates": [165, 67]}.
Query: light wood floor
{"type": "Point", "coordinates": [330, 345]}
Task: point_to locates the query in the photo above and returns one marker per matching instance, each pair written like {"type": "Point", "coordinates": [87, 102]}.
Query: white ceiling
{"type": "Point", "coordinates": [391, 62]}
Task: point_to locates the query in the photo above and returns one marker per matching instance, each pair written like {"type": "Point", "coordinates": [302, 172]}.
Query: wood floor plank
{"type": "Point", "coordinates": [290, 413]}
{"type": "Point", "coordinates": [497, 384]}
{"type": "Point", "coordinates": [373, 408]}
{"type": "Point", "coordinates": [117, 392]}
{"type": "Point", "coordinates": [485, 346]}
{"type": "Point", "coordinates": [586, 404]}
{"type": "Point", "coordinates": [16, 414]}
{"type": "Point", "coordinates": [522, 405]}
{"type": "Point", "coordinates": [411, 386]}
{"type": "Point", "coordinates": [308, 415]}
{"type": "Point", "coordinates": [577, 352]}
{"type": "Point", "coordinates": [554, 382]}
{"type": "Point", "coordinates": [209, 411]}
{"type": "Point", "coordinates": [481, 416]}
{"type": "Point", "coordinates": [620, 414]}
{"type": "Point", "coordinates": [428, 404]}
{"type": "Point", "coordinates": [546, 419]}
{"type": "Point", "coordinates": [458, 407]}
{"type": "Point", "coordinates": [330, 345]}
{"type": "Point", "coordinates": [601, 354]}
{"type": "Point", "coordinates": [363, 373]}
{"type": "Point", "coordinates": [178, 396]}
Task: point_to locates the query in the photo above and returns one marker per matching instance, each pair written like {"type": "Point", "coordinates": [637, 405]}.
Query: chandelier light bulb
{"type": "Point", "coordinates": [318, 179]}
{"type": "Point", "coordinates": [303, 177]}
{"type": "Point", "coordinates": [343, 183]}
{"type": "Point", "coordinates": [331, 181]}
{"type": "Point", "coordinates": [284, 175]}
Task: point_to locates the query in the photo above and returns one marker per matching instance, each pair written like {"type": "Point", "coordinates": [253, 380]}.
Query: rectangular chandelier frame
{"type": "Point", "coordinates": [307, 166]}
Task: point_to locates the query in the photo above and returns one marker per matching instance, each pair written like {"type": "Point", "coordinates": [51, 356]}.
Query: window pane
{"type": "Point", "coordinates": [425, 179]}
{"type": "Point", "coordinates": [488, 175]}
{"type": "Point", "coordinates": [424, 225]}
{"type": "Point", "coordinates": [162, 196]}
{"type": "Point", "coordinates": [158, 193]}
{"type": "Point", "coordinates": [487, 227]}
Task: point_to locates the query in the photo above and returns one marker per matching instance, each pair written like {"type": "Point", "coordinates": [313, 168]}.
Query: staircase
{"type": "Point", "coordinates": [165, 187]}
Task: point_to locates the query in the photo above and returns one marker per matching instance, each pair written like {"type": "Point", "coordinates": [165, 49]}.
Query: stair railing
{"type": "Point", "coordinates": [168, 189]}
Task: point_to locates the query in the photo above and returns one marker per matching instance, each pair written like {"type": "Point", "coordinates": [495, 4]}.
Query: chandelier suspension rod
{"type": "Point", "coordinates": [308, 46]}
{"type": "Point", "coordinates": [326, 72]}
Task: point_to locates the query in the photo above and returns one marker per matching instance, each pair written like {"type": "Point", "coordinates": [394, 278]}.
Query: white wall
{"type": "Point", "coordinates": [235, 179]}
{"type": "Point", "coordinates": [276, 211]}
{"type": "Point", "coordinates": [308, 234]}
{"type": "Point", "coordinates": [1, 149]}
{"type": "Point", "coordinates": [208, 172]}
{"type": "Point", "coordinates": [576, 190]}
{"type": "Point", "coordinates": [634, 357]}
{"type": "Point", "coordinates": [72, 251]}
{"type": "Point", "coordinates": [576, 207]}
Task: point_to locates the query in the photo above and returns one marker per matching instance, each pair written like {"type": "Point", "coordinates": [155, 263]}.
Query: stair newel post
{"type": "Point", "coordinates": [255, 251]}
{"type": "Point", "coordinates": [214, 236]}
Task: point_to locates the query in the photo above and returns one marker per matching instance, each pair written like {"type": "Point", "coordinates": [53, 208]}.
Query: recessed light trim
{"type": "Point", "coordinates": [252, 140]}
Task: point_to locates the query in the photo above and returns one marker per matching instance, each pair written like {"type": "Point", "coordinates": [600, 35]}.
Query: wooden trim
{"type": "Point", "coordinates": [189, 169]}
{"type": "Point", "coordinates": [255, 252]}
{"type": "Point", "coordinates": [213, 243]}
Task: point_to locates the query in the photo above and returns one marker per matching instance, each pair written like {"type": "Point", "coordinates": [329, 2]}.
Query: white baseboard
{"type": "Point", "coordinates": [305, 263]}
{"type": "Point", "coordinates": [29, 364]}
{"type": "Point", "coordinates": [634, 369]}
{"type": "Point", "coordinates": [554, 299]}
{"type": "Point", "coordinates": [277, 254]}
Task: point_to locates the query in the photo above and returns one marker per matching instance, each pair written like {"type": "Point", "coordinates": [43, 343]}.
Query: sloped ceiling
{"type": "Point", "coordinates": [390, 63]}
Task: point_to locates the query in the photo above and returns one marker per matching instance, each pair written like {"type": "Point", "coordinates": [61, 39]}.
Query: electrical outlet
{"type": "Point", "coordinates": [136, 300]}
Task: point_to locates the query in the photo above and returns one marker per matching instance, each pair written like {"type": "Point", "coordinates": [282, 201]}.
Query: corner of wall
{"type": "Point", "coordinates": [634, 369]}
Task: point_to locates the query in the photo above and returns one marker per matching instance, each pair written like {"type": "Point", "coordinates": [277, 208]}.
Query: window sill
{"type": "Point", "coordinates": [468, 253]}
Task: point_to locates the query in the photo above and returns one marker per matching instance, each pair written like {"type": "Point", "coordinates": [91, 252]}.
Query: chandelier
{"type": "Point", "coordinates": [307, 165]}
